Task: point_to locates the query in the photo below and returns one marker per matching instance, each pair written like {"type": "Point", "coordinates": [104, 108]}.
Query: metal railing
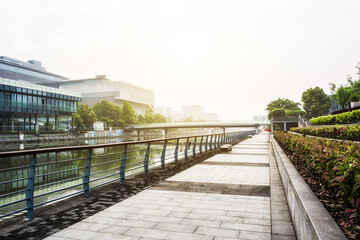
{"type": "Point", "coordinates": [198, 124]}
{"type": "Point", "coordinates": [38, 177]}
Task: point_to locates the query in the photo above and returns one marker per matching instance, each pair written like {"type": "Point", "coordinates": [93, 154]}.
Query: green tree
{"type": "Point", "coordinates": [128, 114]}
{"type": "Point", "coordinates": [84, 116]}
{"type": "Point", "coordinates": [342, 96]}
{"type": "Point", "coordinates": [78, 122]}
{"type": "Point", "coordinates": [151, 117]}
{"type": "Point", "coordinates": [283, 103]}
{"type": "Point", "coordinates": [316, 102]}
{"type": "Point", "coordinates": [187, 119]}
{"type": "Point", "coordinates": [108, 112]}
{"type": "Point", "coordinates": [277, 113]}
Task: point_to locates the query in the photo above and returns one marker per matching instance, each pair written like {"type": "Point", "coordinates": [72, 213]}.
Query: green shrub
{"type": "Point", "coordinates": [351, 132]}
{"type": "Point", "coordinates": [347, 117]}
{"type": "Point", "coordinates": [337, 164]}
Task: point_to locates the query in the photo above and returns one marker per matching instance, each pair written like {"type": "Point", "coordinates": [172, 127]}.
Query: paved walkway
{"type": "Point", "coordinates": [235, 195]}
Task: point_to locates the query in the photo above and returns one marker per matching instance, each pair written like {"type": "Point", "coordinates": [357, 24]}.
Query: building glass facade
{"type": "Point", "coordinates": [23, 105]}
{"type": "Point", "coordinates": [30, 71]}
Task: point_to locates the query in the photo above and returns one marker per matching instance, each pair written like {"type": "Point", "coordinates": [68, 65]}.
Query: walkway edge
{"type": "Point", "coordinates": [310, 218]}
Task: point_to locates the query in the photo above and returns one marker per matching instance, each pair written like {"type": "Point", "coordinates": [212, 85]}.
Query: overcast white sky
{"type": "Point", "coordinates": [232, 57]}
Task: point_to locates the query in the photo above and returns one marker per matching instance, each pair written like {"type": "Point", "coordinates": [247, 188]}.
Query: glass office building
{"type": "Point", "coordinates": [26, 100]}
{"type": "Point", "coordinates": [23, 105]}
{"type": "Point", "coordinates": [30, 71]}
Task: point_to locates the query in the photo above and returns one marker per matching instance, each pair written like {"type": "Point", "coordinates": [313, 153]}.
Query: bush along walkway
{"type": "Point", "coordinates": [351, 132]}
{"type": "Point", "coordinates": [347, 117]}
{"type": "Point", "coordinates": [332, 170]}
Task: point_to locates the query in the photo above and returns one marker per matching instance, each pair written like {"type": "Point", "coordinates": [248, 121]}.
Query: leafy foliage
{"type": "Point", "coordinates": [346, 117]}
{"type": "Point", "coordinates": [282, 113]}
{"type": "Point", "coordinates": [109, 113]}
{"type": "Point", "coordinates": [354, 97]}
{"type": "Point", "coordinates": [336, 168]}
{"type": "Point", "coordinates": [342, 96]}
{"type": "Point", "coordinates": [351, 132]}
{"type": "Point", "coordinates": [84, 116]}
{"type": "Point", "coordinates": [151, 117]}
{"type": "Point", "coordinates": [316, 102]}
{"type": "Point", "coordinates": [283, 103]}
{"type": "Point", "coordinates": [128, 114]}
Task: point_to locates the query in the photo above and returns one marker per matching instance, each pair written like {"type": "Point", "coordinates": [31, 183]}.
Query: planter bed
{"type": "Point", "coordinates": [331, 169]}
{"type": "Point", "coordinates": [350, 132]}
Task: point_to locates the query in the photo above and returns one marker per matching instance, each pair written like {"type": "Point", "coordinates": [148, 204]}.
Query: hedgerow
{"type": "Point", "coordinates": [347, 117]}
{"type": "Point", "coordinates": [335, 166]}
{"type": "Point", "coordinates": [351, 132]}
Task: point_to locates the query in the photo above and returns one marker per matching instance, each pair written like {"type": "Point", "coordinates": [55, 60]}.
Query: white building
{"type": "Point", "coordinates": [94, 90]}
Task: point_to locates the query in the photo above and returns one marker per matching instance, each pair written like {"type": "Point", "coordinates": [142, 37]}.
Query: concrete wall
{"type": "Point", "coordinates": [310, 218]}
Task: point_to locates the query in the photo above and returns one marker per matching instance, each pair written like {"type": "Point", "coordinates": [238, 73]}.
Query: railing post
{"type": "Point", "coordinates": [86, 177]}
{"type": "Point", "coordinates": [30, 188]}
{"type": "Point", "coordinates": [146, 160]}
{"type": "Point", "coordinates": [201, 140]}
{"type": "Point", "coordinates": [186, 148]}
{"type": "Point", "coordinates": [210, 145]}
{"type": "Point", "coordinates": [122, 165]}
{"type": "Point", "coordinates": [194, 147]}
{"type": "Point", "coordinates": [213, 142]}
{"type": "Point", "coordinates": [163, 155]}
{"type": "Point", "coordinates": [176, 150]}
{"type": "Point", "coordinates": [219, 140]}
{"type": "Point", "coordinates": [206, 143]}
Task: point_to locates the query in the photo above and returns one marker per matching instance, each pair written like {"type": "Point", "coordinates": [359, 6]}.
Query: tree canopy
{"type": "Point", "coordinates": [343, 93]}
{"type": "Point", "coordinates": [151, 117]}
{"type": "Point", "coordinates": [110, 113]}
{"type": "Point", "coordinates": [114, 115]}
{"type": "Point", "coordinates": [84, 116]}
{"type": "Point", "coordinates": [316, 102]}
{"type": "Point", "coordinates": [128, 114]}
{"type": "Point", "coordinates": [283, 103]}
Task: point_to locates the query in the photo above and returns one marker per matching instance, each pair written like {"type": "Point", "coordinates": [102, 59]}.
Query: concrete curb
{"type": "Point", "coordinates": [310, 218]}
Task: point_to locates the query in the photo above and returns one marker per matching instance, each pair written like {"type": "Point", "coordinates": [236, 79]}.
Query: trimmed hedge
{"type": "Point", "coordinates": [347, 117]}
{"type": "Point", "coordinates": [335, 164]}
{"type": "Point", "coordinates": [351, 132]}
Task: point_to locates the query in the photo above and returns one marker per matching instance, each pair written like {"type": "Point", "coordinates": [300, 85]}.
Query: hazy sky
{"type": "Point", "coordinates": [232, 57]}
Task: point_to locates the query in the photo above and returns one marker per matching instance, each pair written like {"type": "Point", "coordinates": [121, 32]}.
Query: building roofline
{"type": "Point", "coordinates": [14, 64]}
{"type": "Point", "coordinates": [106, 79]}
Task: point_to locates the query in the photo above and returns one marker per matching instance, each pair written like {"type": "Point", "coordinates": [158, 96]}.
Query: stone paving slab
{"type": "Point", "coordinates": [200, 207]}
{"type": "Point", "coordinates": [239, 158]}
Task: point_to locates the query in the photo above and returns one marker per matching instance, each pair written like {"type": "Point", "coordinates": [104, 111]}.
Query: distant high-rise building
{"type": "Point", "coordinates": [196, 112]}
{"type": "Point", "coordinates": [165, 111]}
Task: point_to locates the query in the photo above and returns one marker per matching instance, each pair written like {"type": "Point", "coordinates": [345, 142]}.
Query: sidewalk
{"type": "Point", "coordinates": [227, 196]}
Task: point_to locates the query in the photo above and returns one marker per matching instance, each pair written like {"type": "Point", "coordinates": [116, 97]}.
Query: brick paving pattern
{"type": "Point", "coordinates": [235, 195]}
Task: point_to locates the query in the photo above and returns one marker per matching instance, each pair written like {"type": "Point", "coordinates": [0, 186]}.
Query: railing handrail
{"type": "Point", "coordinates": [195, 124]}
{"type": "Point", "coordinates": [69, 148]}
{"type": "Point", "coordinates": [39, 176]}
